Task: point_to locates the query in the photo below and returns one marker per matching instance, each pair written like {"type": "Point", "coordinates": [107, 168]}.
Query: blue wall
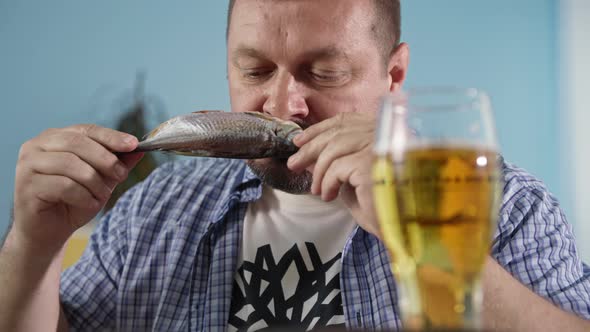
{"type": "Point", "coordinates": [507, 48]}
{"type": "Point", "coordinates": [64, 62]}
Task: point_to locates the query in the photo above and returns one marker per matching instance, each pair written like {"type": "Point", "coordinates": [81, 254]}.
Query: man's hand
{"type": "Point", "coordinates": [63, 178]}
{"type": "Point", "coordinates": [338, 152]}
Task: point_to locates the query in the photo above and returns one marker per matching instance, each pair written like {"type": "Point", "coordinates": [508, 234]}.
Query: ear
{"type": "Point", "coordinates": [398, 66]}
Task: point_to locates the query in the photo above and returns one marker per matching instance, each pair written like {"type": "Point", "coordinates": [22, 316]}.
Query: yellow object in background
{"type": "Point", "coordinates": [77, 244]}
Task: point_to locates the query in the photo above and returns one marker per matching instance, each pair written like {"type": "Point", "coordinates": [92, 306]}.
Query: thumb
{"type": "Point", "coordinates": [348, 195]}
{"type": "Point", "coordinates": [359, 201]}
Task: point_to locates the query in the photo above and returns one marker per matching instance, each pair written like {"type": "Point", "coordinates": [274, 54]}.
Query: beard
{"type": "Point", "coordinates": [275, 174]}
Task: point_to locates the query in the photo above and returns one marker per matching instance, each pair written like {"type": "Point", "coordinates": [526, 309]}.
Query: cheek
{"type": "Point", "coordinates": [360, 98]}
{"type": "Point", "coordinates": [245, 99]}
{"type": "Point", "coordinates": [363, 94]}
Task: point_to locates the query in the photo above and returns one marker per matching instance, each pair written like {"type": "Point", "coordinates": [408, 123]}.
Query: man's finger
{"type": "Point", "coordinates": [89, 150]}
{"type": "Point", "coordinates": [339, 122]}
{"type": "Point", "coordinates": [71, 166]}
{"type": "Point", "coordinates": [60, 189]}
{"type": "Point", "coordinates": [334, 152]}
{"type": "Point", "coordinates": [337, 174]}
{"type": "Point", "coordinates": [309, 153]}
{"type": "Point", "coordinates": [113, 140]}
{"type": "Point", "coordinates": [314, 130]}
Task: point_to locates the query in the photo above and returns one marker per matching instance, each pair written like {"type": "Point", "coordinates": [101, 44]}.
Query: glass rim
{"type": "Point", "coordinates": [466, 99]}
{"type": "Point", "coordinates": [399, 105]}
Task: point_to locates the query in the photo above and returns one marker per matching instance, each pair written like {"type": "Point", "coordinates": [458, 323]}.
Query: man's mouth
{"type": "Point", "coordinates": [303, 124]}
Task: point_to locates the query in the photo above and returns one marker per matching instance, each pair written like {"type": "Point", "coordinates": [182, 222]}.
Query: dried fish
{"type": "Point", "coordinates": [247, 135]}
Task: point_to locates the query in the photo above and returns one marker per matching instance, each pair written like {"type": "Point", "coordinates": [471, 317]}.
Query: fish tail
{"type": "Point", "coordinates": [145, 146]}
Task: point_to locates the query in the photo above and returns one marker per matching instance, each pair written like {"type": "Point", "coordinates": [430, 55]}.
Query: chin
{"type": "Point", "coordinates": [275, 174]}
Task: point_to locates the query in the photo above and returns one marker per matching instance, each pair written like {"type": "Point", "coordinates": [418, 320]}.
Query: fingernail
{"type": "Point", "coordinates": [129, 139]}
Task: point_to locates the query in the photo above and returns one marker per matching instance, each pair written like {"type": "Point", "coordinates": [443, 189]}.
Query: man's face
{"type": "Point", "coordinates": [305, 61]}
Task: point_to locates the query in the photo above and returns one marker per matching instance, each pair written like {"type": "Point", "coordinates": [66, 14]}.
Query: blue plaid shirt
{"type": "Point", "coordinates": [164, 258]}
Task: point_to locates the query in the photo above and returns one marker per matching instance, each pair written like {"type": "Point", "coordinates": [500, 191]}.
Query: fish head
{"type": "Point", "coordinates": [285, 132]}
{"type": "Point", "coordinates": [287, 129]}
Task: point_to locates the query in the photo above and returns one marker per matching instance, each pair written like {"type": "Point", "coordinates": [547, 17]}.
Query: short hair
{"type": "Point", "coordinates": [386, 27]}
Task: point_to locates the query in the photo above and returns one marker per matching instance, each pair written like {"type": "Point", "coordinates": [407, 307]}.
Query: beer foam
{"type": "Point", "coordinates": [451, 144]}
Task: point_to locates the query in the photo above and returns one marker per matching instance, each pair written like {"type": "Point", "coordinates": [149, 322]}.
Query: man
{"type": "Point", "coordinates": [214, 244]}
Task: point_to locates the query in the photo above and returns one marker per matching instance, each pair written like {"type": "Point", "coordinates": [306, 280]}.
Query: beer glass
{"type": "Point", "coordinates": [437, 191]}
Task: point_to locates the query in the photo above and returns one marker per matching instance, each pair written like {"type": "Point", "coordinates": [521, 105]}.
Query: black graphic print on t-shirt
{"type": "Point", "coordinates": [260, 299]}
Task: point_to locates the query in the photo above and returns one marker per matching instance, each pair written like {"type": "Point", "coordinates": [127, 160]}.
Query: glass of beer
{"type": "Point", "coordinates": [437, 190]}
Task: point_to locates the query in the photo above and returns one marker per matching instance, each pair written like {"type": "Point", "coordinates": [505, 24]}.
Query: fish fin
{"type": "Point", "coordinates": [271, 118]}
{"type": "Point", "coordinates": [162, 125]}
{"type": "Point", "coordinates": [254, 114]}
{"type": "Point", "coordinates": [146, 136]}
{"type": "Point", "coordinates": [259, 115]}
{"type": "Point", "coordinates": [206, 111]}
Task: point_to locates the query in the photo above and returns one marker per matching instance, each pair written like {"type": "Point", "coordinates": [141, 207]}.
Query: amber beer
{"type": "Point", "coordinates": [437, 207]}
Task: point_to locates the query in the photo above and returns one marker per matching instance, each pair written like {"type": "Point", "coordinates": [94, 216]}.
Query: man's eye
{"type": "Point", "coordinates": [328, 77]}
{"type": "Point", "coordinates": [322, 77]}
{"type": "Point", "coordinates": [256, 74]}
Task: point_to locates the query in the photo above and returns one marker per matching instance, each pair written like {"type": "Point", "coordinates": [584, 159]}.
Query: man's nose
{"type": "Point", "coordinates": [286, 98]}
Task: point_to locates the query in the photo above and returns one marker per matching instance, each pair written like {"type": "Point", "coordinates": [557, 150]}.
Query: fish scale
{"type": "Point", "coordinates": [247, 135]}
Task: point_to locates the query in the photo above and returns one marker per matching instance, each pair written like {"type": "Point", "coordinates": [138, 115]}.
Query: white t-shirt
{"type": "Point", "coordinates": [289, 263]}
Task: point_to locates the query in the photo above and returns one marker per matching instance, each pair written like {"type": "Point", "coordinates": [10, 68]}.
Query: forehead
{"type": "Point", "coordinates": [294, 25]}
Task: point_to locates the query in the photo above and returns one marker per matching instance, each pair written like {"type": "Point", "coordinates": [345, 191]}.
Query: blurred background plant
{"type": "Point", "coordinates": [139, 113]}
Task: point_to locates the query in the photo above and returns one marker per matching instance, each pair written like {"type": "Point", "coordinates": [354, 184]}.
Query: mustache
{"type": "Point", "coordinates": [302, 123]}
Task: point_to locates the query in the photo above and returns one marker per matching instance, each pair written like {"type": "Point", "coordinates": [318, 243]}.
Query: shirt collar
{"type": "Point", "coordinates": [245, 187]}
{"type": "Point", "coordinates": [249, 186]}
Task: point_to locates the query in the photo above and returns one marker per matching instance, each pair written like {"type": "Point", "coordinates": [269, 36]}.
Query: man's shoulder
{"type": "Point", "coordinates": [198, 180]}
{"type": "Point", "coordinates": [197, 170]}
{"type": "Point", "coordinates": [516, 178]}
{"type": "Point", "coordinates": [523, 191]}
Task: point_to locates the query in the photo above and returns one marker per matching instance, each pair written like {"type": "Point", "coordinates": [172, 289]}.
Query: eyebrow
{"type": "Point", "coordinates": [324, 53]}
{"type": "Point", "coordinates": [246, 51]}
{"type": "Point", "coordinates": [327, 53]}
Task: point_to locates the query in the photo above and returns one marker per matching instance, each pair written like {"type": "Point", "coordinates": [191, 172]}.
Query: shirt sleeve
{"type": "Point", "coordinates": [535, 243]}
{"type": "Point", "coordinates": [88, 288]}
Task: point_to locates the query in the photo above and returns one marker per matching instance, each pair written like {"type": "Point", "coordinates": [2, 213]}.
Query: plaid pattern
{"type": "Point", "coordinates": [164, 258]}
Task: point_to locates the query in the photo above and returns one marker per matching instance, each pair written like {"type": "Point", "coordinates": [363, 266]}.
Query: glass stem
{"type": "Point", "coordinates": [471, 301]}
